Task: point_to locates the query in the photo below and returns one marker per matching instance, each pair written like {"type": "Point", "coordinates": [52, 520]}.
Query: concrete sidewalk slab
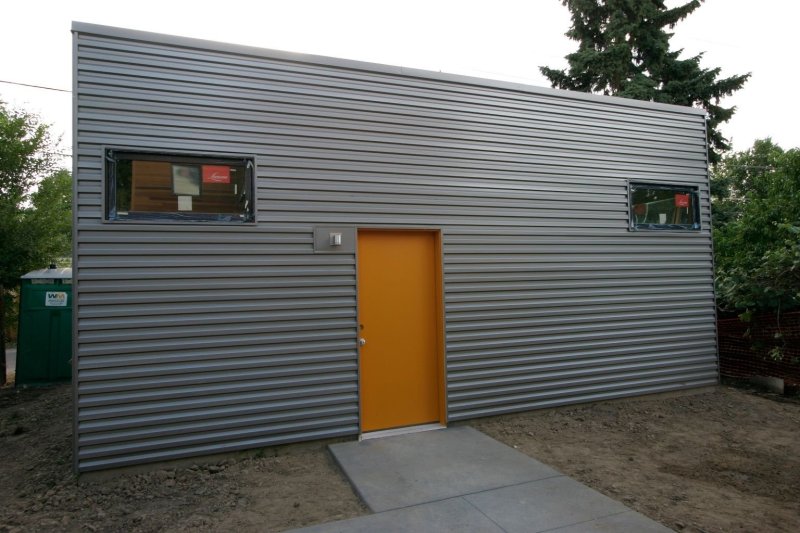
{"type": "Point", "coordinates": [447, 516]}
{"type": "Point", "coordinates": [545, 504]}
{"type": "Point", "coordinates": [415, 468]}
{"type": "Point", "coordinates": [459, 479]}
{"type": "Point", "coordinates": [627, 522]}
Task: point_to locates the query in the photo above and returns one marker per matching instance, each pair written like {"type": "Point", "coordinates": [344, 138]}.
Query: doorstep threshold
{"type": "Point", "coordinates": [400, 431]}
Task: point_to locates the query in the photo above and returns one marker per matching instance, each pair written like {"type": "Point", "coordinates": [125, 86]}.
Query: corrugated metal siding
{"type": "Point", "coordinates": [195, 339]}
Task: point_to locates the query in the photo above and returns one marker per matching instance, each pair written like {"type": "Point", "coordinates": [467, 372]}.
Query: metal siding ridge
{"type": "Point", "coordinates": [573, 320]}
{"type": "Point", "coordinates": [123, 249]}
{"type": "Point", "coordinates": [152, 376]}
{"type": "Point", "coordinates": [425, 187]}
{"type": "Point", "coordinates": [392, 133]}
{"type": "Point", "coordinates": [385, 153]}
{"type": "Point", "coordinates": [118, 235]}
{"type": "Point", "coordinates": [394, 199]}
{"type": "Point", "coordinates": [528, 339]}
{"type": "Point", "coordinates": [215, 318]}
{"type": "Point", "coordinates": [174, 345]}
{"type": "Point", "coordinates": [494, 285]}
{"type": "Point", "coordinates": [538, 293]}
{"type": "Point", "coordinates": [572, 386]}
{"type": "Point", "coordinates": [526, 328]}
{"type": "Point", "coordinates": [494, 387]}
{"type": "Point", "coordinates": [188, 439]}
{"type": "Point", "coordinates": [524, 394]}
{"type": "Point", "coordinates": [213, 375]}
{"type": "Point", "coordinates": [549, 400]}
{"type": "Point", "coordinates": [135, 63]}
{"type": "Point", "coordinates": [215, 424]}
{"type": "Point", "coordinates": [575, 278]}
{"type": "Point", "coordinates": [489, 384]}
{"type": "Point", "coordinates": [304, 347]}
{"type": "Point", "coordinates": [582, 267]}
{"type": "Point", "coordinates": [657, 348]}
{"type": "Point", "coordinates": [277, 105]}
{"type": "Point", "coordinates": [221, 327]}
{"type": "Point", "coordinates": [284, 407]}
{"type": "Point", "coordinates": [478, 129]}
{"type": "Point", "coordinates": [454, 239]}
{"type": "Point", "coordinates": [266, 260]}
{"type": "Point", "coordinates": [197, 392]}
{"type": "Point", "coordinates": [112, 410]}
{"type": "Point", "coordinates": [469, 373]}
{"type": "Point", "coordinates": [597, 311]}
{"type": "Point", "coordinates": [82, 28]}
{"type": "Point", "coordinates": [482, 305]}
{"type": "Point", "coordinates": [98, 311]}
{"type": "Point", "coordinates": [177, 273]}
{"type": "Point", "coordinates": [218, 283]}
{"type": "Point", "coordinates": [88, 465]}
{"type": "Point", "coordinates": [198, 296]}
{"type": "Point", "coordinates": [567, 346]}
{"type": "Point", "coordinates": [139, 90]}
{"type": "Point", "coordinates": [105, 109]}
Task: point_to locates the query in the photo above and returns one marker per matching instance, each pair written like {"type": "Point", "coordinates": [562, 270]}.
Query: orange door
{"type": "Point", "coordinates": [398, 322]}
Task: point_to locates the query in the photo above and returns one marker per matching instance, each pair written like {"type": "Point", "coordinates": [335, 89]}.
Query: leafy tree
{"type": "Point", "coordinates": [756, 210]}
{"type": "Point", "coordinates": [624, 51]}
{"type": "Point", "coordinates": [26, 154]}
{"type": "Point", "coordinates": [51, 217]}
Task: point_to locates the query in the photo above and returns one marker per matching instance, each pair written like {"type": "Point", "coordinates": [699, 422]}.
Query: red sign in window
{"type": "Point", "coordinates": [681, 200]}
{"type": "Point", "coordinates": [216, 174]}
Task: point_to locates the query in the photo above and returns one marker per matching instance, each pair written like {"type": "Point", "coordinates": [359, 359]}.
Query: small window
{"type": "Point", "coordinates": [151, 186]}
{"type": "Point", "coordinates": [664, 207]}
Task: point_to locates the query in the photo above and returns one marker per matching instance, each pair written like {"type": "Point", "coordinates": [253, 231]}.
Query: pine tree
{"type": "Point", "coordinates": [624, 51]}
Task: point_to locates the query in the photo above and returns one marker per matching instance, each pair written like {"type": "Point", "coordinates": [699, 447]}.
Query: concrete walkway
{"type": "Point", "coordinates": [459, 479]}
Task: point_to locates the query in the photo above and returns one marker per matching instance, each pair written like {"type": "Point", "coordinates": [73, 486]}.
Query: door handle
{"type": "Point", "coordinates": [362, 341]}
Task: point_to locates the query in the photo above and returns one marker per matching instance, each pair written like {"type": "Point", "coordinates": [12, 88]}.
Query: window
{"type": "Point", "coordinates": [154, 186]}
{"type": "Point", "coordinates": [663, 207]}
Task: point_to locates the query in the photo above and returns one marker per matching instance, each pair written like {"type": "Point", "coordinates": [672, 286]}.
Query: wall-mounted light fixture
{"type": "Point", "coordinates": [334, 240]}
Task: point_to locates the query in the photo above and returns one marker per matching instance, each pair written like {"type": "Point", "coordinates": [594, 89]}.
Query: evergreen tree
{"type": "Point", "coordinates": [624, 51]}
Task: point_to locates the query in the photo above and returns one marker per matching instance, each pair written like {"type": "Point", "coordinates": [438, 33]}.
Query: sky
{"type": "Point", "coordinates": [497, 39]}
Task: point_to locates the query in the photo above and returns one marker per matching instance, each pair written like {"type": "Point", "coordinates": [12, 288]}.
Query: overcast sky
{"type": "Point", "coordinates": [499, 39]}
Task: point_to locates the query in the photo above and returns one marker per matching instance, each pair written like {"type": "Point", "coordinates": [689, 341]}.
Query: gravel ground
{"type": "Point", "coordinates": [723, 461]}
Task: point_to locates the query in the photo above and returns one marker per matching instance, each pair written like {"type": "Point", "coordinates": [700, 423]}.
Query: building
{"type": "Point", "coordinates": [273, 247]}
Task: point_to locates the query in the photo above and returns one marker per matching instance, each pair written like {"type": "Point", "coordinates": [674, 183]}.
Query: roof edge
{"type": "Point", "coordinates": [203, 44]}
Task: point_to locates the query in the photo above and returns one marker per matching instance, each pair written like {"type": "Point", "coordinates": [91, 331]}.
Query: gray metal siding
{"type": "Point", "coordinates": [196, 339]}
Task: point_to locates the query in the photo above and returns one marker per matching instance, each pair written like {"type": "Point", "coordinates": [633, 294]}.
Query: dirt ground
{"type": "Point", "coordinates": [723, 461]}
{"type": "Point", "coordinates": [275, 489]}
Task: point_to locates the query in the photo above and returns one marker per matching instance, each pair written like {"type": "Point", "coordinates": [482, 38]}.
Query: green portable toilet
{"type": "Point", "coordinates": [44, 337]}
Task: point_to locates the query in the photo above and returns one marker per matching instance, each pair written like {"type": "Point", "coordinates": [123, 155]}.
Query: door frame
{"type": "Point", "coordinates": [441, 360]}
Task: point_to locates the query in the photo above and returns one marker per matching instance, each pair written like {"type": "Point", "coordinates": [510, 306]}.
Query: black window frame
{"type": "Point", "coordinates": [112, 156]}
{"type": "Point", "coordinates": [692, 190]}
